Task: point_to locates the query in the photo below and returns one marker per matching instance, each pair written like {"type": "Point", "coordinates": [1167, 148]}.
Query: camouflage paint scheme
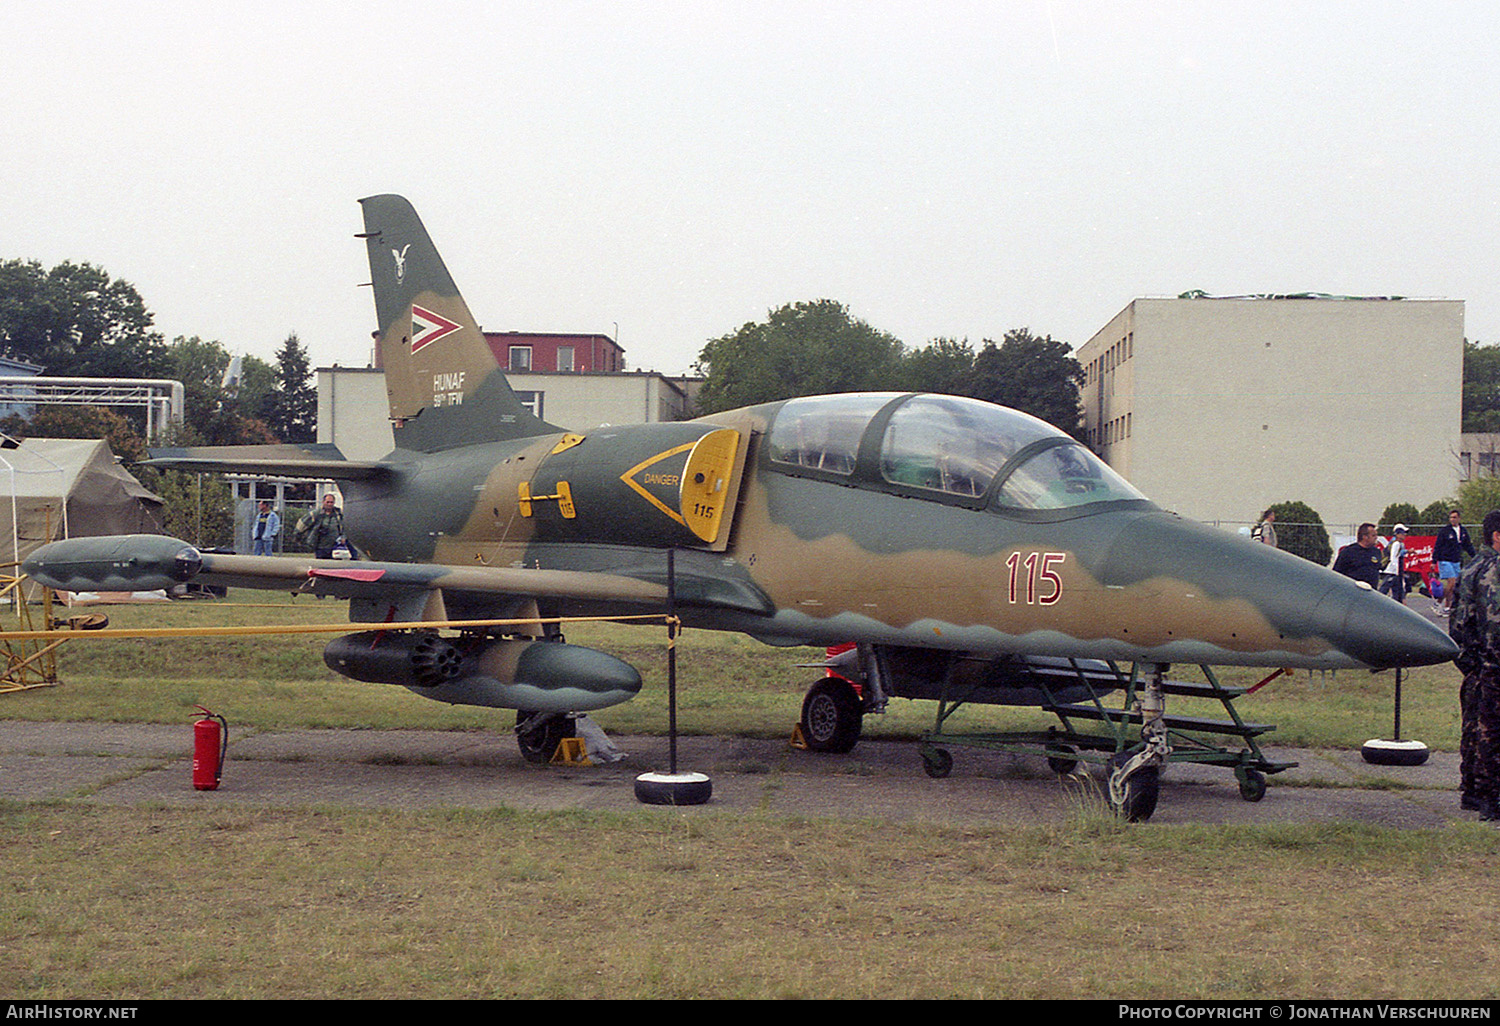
{"type": "Point", "coordinates": [792, 555]}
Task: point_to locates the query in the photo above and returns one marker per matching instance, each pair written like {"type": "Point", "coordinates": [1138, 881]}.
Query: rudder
{"type": "Point", "coordinates": [443, 382]}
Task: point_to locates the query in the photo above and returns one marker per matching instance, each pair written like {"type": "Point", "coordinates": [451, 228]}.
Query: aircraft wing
{"type": "Point", "coordinates": [143, 562]}
{"type": "Point", "coordinates": [318, 462]}
{"type": "Point", "coordinates": [365, 579]}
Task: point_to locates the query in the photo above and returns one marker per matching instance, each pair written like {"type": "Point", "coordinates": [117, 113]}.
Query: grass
{"type": "Point", "coordinates": [141, 903]}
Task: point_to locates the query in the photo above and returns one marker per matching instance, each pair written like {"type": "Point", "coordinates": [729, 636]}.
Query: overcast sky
{"type": "Point", "coordinates": [671, 170]}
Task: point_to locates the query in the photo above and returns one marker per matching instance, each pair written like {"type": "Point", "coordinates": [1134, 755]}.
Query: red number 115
{"type": "Point", "coordinates": [1038, 565]}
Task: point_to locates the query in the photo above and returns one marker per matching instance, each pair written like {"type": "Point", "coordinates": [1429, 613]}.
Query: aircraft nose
{"type": "Point", "coordinates": [1299, 599]}
{"type": "Point", "coordinates": [1382, 634]}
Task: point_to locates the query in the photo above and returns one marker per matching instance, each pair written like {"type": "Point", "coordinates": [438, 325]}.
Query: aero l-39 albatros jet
{"type": "Point", "coordinates": [943, 535]}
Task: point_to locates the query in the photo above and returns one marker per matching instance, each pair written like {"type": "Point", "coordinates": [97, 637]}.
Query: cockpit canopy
{"type": "Point", "coordinates": [941, 447]}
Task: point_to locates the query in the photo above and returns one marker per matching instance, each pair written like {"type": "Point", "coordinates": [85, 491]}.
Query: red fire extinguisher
{"type": "Point", "coordinates": [210, 745]}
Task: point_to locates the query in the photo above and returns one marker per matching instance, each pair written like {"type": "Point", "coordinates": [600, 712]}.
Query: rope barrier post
{"type": "Point", "coordinates": [1395, 752]}
{"type": "Point", "coordinates": [672, 787]}
{"type": "Point", "coordinates": [672, 660]}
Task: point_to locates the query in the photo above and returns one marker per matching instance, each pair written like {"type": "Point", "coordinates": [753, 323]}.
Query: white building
{"type": "Point", "coordinates": [1218, 408]}
{"type": "Point", "coordinates": [354, 415]}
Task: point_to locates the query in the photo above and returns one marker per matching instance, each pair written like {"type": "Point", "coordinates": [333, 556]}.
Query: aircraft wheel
{"type": "Point", "coordinates": [540, 742]}
{"type": "Point", "coordinates": [1062, 759]}
{"type": "Point", "coordinates": [673, 788]}
{"type": "Point", "coordinates": [1141, 790]}
{"type": "Point", "coordinates": [937, 762]}
{"type": "Point", "coordinates": [831, 716]}
{"type": "Point", "coordinates": [1252, 784]}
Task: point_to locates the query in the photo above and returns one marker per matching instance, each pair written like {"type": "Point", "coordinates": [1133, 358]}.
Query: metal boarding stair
{"type": "Point", "coordinates": [1193, 739]}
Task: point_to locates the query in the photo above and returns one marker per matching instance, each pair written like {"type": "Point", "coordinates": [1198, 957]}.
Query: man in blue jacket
{"type": "Point", "coordinates": [1448, 552]}
{"type": "Point", "coordinates": [267, 527]}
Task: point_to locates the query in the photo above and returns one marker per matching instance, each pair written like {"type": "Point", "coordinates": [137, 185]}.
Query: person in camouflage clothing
{"type": "Point", "coordinates": [326, 532]}
{"type": "Point", "coordinates": [1475, 626]}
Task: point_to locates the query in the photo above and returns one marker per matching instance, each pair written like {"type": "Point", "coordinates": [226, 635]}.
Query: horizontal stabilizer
{"type": "Point", "coordinates": [321, 461]}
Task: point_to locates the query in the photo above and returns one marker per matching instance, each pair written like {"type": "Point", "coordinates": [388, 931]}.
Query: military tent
{"type": "Point", "coordinates": [53, 488]}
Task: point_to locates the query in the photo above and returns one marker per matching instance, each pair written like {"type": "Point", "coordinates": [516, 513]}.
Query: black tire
{"type": "Point", "coordinates": [831, 716]}
{"type": "Point", "coordinates": [673, 788]}
{"type": "Point", "coordinates": [937, 762]}
{"type": "Point", "coordinates": [1141, 790]}
{"type": "Point", "coordinates": [1394, 753]}
{"type": "Point", "coordinates": [1252, 785]}
{"type": "Point", "coordinates": [1062, 759]}
{"type": "Point", "coordinates": [540, 742]}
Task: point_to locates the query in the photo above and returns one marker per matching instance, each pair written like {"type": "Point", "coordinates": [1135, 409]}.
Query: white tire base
{"type": "Point", "coordinates": [1394, 753]}
{"type": "Point", "coordinates": [673, 788]}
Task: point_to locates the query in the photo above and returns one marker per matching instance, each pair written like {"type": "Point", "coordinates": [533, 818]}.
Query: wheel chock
{"type": "Point", "coordinates": [571, 751]}
{"type": "Point", "coordinates": [798, 741]}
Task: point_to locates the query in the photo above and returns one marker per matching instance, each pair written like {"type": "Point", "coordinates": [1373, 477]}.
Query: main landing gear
{"type": "Point", "coordinates": [539, 733]}
{"type": "Point", "coordinates": [832, 716]}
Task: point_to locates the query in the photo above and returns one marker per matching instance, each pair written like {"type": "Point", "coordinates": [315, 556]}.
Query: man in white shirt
{"type": "Point", "coordinates": [1393, 574]}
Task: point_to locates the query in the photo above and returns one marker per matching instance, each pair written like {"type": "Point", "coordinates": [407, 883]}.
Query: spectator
{"type": "Point", "coordinates": [1360, 559]}
{"type": "Point", "coordinates": [1448, 552]}
{"type": "Point", "coordinates": [1393, 575]}
{"type": "Point", "coordinates": [1265, 531]}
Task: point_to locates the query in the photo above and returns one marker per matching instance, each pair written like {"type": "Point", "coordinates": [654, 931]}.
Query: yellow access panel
{"type": "Point", "coordinates": [709, 482]}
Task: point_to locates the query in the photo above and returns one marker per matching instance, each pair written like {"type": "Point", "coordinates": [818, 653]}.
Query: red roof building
{"type": "Point", "coordinates": [522, 352]}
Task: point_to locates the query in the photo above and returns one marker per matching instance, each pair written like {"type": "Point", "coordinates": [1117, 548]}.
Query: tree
{"type": "Point", "coordinates": [1038, 376]}
{"type": "Point", "coordinates": [256, 393]}
{"type": "Point", "coordinates": [1300, 531]}
{"type": "Point", "coordinates": [76, 321]}
{"type": "Point", "coordinates": [1435, 514]}
{"type": "Point", "coordinates": [198, 508]}
{"type": "Point", "coordinates": [1476, 497]}
{"type": "Point", "coordinates": [800, 349]}
{"type": "Point", "coordinates": [1398, 513]}
{"type": "Point", "coordinates": [290, 409]}
{"type": "Point", "coordinates": [80, 422]}
{"type": "Point", "coordinates": [944, 365]}
{"type": "Point", "coordinates": [215, 416]}
{"type": "Point", "coordinates": [1481, 399]}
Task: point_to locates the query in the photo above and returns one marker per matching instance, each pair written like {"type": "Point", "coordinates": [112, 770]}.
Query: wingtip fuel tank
{"type": "Point", "coordinates": [132, 562]}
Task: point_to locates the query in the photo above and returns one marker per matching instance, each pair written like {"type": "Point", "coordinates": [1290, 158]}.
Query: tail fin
{"type": "Point", "coordinates": [445, 386]}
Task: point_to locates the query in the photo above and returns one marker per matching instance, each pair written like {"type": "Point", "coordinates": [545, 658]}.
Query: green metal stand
{"type": "Point", "coordinates": [1190, 739]}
